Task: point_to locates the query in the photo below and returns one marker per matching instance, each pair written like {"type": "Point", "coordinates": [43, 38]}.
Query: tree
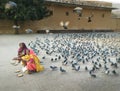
{"type": "Point", "coordinates": [22, 10]}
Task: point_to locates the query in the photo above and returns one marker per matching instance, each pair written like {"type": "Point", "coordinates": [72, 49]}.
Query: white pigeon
{"type": "Point", "coordinates": [28, 31]}
{"type": "Point", "coordinates": [64, 24]}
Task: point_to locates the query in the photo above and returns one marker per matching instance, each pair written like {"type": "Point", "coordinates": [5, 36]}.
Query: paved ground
{"type": "Point", "coordinates": [47, 80]}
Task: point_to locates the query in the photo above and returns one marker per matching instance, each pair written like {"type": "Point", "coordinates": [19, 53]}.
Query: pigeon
{"type": "Point", "coordinates": [28, 31]}
{"type": "Point", "coordinates": [53, 67]}
{"type": "Point", "coordinates": [97, 60]}
{"type": "Point", "coordinates": [105, 62]}
{"type": "Point", "coordinates": [64, 24]}
{"type": "Point", "coordinates": [59, 57]}
{"type": "Point", "coordinates": [52, 59]}
{"type": "Point", "coordinates": [100, 65]}
{"type": "Point", "coordinates": [118, 60]}
{"type": "Point", "coordinates": [95, 63]}
{"type": "Point", "coordinates": [93, 69]}
{"type": "Point", "coordinates": [62, 70]}
{"type": "Point", "coordinates": [83, 61]}
{"type": "Point", "coordinates": [71, 62]}
{"type": "Point", "coordinates": [86, 68]}
{"type": "Point", "coordinates": [73, 65]}
{"type": "Point", "coordinates": [105, 67]}
{"type": "Point", "coordinates": [55, 59]}
{"type": "Point", "coordinates": [90, 72]}
{"type": "Point", "coordinates": [115, 65]}
{"type": "Point", "coordinates": [43, 57]}
{"type": "Point", "coordinates": [97, 67]}
{"type": "Point", "coordinates": [47, 52]}
{"type": "Point", "coordinates": [89, 19]}
{"type": "Point", "coordinates": [93, 75]}
{"type": "Point", "coordinates": [112, 64]}
{"type": "Point", "coordinates": [114, 72]}
{"type": "Point", "coordinates": [56, 55]}
{"type": "Point", "coordinates": [77, 68]}
{"type": "Point", "coordinates": [107, 72]}
{"type": "Point", "coordinates": [65, 63]}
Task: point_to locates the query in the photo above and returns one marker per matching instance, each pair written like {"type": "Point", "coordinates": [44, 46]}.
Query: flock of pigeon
{"type": "Point", "coordinates": [90, 52]}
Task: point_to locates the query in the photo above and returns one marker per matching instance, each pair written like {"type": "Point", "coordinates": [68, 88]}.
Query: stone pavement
{"type": "Point", "coordinates": [47, 80]}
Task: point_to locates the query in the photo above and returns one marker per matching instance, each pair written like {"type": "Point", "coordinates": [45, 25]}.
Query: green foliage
{"type": "Point", "coordinates": [25, 10]}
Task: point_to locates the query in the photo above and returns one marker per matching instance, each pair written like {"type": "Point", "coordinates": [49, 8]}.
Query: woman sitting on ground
{"type": "Point", "coordinates": [32, 62]}
{"type": "Point", "coordinates": [21, 52]}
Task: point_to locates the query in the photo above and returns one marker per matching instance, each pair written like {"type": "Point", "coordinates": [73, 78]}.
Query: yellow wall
{"type": "Point", "coordinates": [117, 24]}
{"type": "Point", "coordinates": [6, 26]}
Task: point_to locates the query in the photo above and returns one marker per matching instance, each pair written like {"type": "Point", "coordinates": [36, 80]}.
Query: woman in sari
{"type": "Point", "coordinates": [32, 62]}
{"type": "Point", "coordinates": [21, 52]}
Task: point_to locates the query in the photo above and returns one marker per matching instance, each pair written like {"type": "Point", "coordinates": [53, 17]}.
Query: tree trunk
{"type": "Point", "coordinates": [16, 29]}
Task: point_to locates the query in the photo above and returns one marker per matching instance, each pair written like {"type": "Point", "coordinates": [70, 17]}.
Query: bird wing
{"type": "Point", "coordinates": [51, 67]}
{"type": "Point", "coordinates": [67, 23]}
{"type": "Point", "coordinates": [91, 15]}
{"type": "Point", "coordinates": [86, 17]}
{"type": "Point", "coordinates": [61, 23]}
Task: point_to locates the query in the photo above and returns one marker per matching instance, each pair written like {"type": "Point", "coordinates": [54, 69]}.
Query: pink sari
{"type": "Point", "coordinates": [31, 65]}
{"type": "Point", "coordinates": [32, 52]}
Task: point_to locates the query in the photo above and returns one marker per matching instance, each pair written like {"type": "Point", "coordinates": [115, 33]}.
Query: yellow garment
{"type": "Point", "coordinates": [26, 58]}
{"type": "Point", "coordinates": [39, 67]}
